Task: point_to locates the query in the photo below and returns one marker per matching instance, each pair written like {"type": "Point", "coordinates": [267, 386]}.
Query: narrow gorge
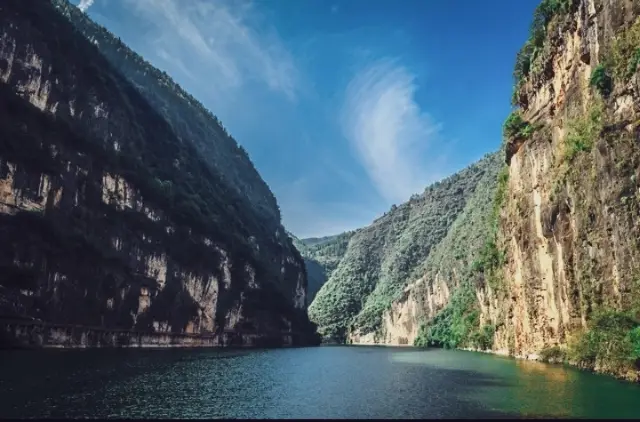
{"type": "Point", "coordinates": [147, 266]}
{"type": "Point", "coordinates": [130, 217]}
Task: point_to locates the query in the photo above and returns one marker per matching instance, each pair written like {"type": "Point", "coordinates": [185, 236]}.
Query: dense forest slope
{"type": "Point", "coordinates": [108, 214]}
{"type": "Point", "coordinates": [448, 274]}
{"type": "Point", "coordinates": [186, 115]}
{"type": "Point", "coordinates": [382, 258]}
{"type": "Point", "coordinates": [542, 258]}
{"type": "Point", "coordinates": [321, 257]}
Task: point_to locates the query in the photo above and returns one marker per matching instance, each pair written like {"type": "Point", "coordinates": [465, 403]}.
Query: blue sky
{"type": "Point", "coordinates": [345, 106]}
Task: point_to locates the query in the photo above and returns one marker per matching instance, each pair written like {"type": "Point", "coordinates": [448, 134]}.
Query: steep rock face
{"type": "Point", "coordinates": [188, 118]}
{"type": "Point", "coordinates": [401, 323]}
{"type": "Point", "coordinates": [558, 275]}
{"type": "Point", "coordinates": [110, 219]}
{"type": "Point", "coordinates": [570, 221]}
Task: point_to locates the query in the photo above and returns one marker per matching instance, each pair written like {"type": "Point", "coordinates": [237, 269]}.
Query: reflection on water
{"type": "Point", "coordinates": [535, 382]}
{"type": "Point", "coordinates": [323, 382]}
{"type": "Point", "coordinates": [532, 388]}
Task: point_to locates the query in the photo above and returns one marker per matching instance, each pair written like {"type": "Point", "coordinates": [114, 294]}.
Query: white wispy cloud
{"type": "Point", "coordinates": [225, 40]}
{"type": "Point", "coordinates": [391, 135]}
{"type": "Point", "coordinates": [84, 5]}
{"type": "Point", "coordinates": [230, 56]}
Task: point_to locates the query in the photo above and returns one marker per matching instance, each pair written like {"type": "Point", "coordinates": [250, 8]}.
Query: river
{"type": "Point", "coordinates": [320, 382]}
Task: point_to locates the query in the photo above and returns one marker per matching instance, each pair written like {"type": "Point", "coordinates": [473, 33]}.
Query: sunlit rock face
{"type": "Point", "coordinates": [569, 222]}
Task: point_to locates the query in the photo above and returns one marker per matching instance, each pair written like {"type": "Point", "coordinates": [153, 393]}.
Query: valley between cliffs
{"type": "Point", "coordinates": [130, 217]}
{"type": "Point", "coordinates": [534, 251]}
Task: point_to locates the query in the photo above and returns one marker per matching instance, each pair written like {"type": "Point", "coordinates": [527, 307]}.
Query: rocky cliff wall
{"type": "Point", "coordinates": [570, 220]}
{"type": "Point", "coordinates": [30, 334]}
{"type": "Point", "coordinates": [107, 217]}
{"type": "Point", "coordinates": [558, 278]}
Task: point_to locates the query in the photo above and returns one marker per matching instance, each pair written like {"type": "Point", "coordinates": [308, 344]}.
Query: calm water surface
{"type": "Point", "coordinates": [321, 382]}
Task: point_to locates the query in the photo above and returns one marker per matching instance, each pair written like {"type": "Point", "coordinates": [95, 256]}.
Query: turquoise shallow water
{"type": "Point", "coordinates": [321, 382]}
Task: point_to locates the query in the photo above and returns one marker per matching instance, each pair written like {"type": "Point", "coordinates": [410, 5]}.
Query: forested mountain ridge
{"type": "Point", "coordinates": [321, 257]}
{"type": "Point", "coordinates": [110, 218]}
{"type": "Point", "coordinates": [443, 297]}
{"type": "Point", "coordinates": [382, 259]}
{"type": "Point", "coordinates": [190, 120]}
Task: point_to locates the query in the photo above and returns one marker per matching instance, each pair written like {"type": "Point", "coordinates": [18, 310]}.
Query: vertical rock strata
{"type": "Point", "coordinates": [569, 221]}
{"type": "Point", "coordinates": [109, 219]}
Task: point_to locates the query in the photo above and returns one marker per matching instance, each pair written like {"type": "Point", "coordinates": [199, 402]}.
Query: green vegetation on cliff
{"type": "Point", "coordinates": [612, 342]}
{"type": "Point", "coordinates": [321, 257]}
{"type": "Point", "coordinates": [542, 16]}
{"type": "Point", "coordinates": [467, 255]}
{"type": "Point", "coordinates": [623, 57]}
{"type": "Point", "coordinates": [108, 206]}
{"type": "Point", "coordinates": [454, 325]}
{"type": "Point", "coordinates": [584, 130]}
{"type": "Point", "coordinates": [601, 80]}
{"type": "Point", "coordinates": [534, 53]}
{"type": "Point", "coordinates": [188, 118]}
{"type": "Point", "coordinates": [383, 258]}
{"type": "Point", "coordinates": [516, 126]}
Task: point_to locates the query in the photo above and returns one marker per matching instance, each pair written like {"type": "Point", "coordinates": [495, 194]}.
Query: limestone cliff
{"type": "Point", "coordinates": [110, 219]}
{"type": "Point", "coordinates": [570, 220]}
{"type": "Point", "coordinates": [557, 275]}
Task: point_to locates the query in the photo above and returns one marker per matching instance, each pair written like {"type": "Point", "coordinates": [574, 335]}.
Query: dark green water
{"type": "Point", "coordinates": [322, 382]}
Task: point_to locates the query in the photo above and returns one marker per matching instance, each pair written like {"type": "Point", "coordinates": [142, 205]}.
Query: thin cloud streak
{"type": "Point", "coordinates": [84, 5]}
{"type": "Point", "coordinates": [221, 37]}
{"type": "Point", "coordinates": [389, 132]}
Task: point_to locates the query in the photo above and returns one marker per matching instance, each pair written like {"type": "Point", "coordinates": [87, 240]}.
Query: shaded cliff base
{"type": "Point", "coordinates": [36, 334]}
